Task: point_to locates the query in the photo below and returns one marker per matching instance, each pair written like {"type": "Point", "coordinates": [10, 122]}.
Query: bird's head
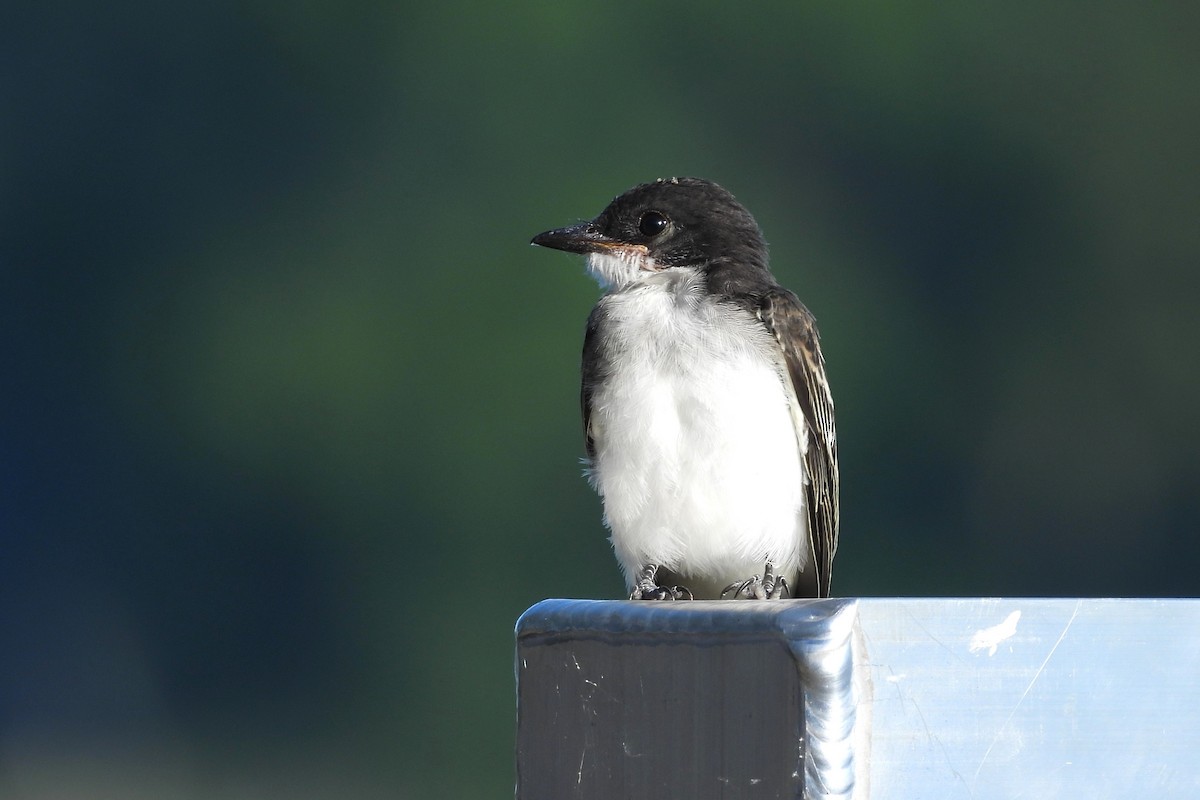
{"type": "Point", "coordinates": [672, 222]}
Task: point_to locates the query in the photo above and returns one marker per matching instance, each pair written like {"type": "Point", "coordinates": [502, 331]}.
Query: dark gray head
{"type": "Point", "coordinates": [675, 222]}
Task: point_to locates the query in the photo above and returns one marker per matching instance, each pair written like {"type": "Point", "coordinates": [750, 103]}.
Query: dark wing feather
{"type": "Point", "coordinates": [590, 374]}
{"type": "Point", "coordinates": [796, 331]}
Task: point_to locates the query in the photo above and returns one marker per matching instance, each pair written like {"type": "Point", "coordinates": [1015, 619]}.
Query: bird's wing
{"type": "Point", "coordinates": [796, 332]}
{"type": "Point", "coordinates": [590, 375]}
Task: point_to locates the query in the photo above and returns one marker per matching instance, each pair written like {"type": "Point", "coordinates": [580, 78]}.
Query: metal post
{"type": "Point", "coordinates": [883, 697]}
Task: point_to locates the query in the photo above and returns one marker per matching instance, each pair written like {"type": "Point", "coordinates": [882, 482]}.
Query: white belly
{"type": "Point", "coordinates": [696, 456]}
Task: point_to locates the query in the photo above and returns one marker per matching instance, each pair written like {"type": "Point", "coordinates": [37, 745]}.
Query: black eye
{"type": "Point", "coordinates": [652, 223]}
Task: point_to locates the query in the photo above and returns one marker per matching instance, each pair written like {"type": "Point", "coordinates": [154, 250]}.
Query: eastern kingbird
{"type": "Point", "coordinates": [706, 412]}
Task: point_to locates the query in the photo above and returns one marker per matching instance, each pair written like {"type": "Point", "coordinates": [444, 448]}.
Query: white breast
{"type": "Point", "coordinates": [696, 455]}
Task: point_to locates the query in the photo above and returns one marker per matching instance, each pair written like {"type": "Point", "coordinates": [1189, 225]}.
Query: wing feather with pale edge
{"type": "Point", "coordinates": [794, 328]}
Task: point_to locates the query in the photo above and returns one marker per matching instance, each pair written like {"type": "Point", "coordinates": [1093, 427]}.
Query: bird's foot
{"type": "Point", "coordinates": [660, 593]}
{"type": "Point", "coordinates": [647, 588]}
{"type": "Point", "coordinates": [767, 586]}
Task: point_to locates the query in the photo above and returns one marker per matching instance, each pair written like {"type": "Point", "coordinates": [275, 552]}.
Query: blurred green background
{"type": "Point", "coordinates": [290, 431]}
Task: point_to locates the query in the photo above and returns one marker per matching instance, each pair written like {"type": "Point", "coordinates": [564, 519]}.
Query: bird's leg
{"type": "Point", "coordinates": [767, 586]}
{"type": "Point", "coordinates": [774, 586]}
{"type": "Point", "coordinates": [647, 588]}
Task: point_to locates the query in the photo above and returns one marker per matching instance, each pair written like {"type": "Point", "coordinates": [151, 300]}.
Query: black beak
{"type": "Point", "coordinates": [582, 238]}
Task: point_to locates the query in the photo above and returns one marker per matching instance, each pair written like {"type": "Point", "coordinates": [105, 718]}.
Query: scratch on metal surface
{"type": "Point", "coordinates": [1024, 694]}
{"type": "Point", "coordinates": [953, 652]}
{"type": "Point", "coordinates": [991, 638]}
{"type": "Point", "coordinates": [929, 735]}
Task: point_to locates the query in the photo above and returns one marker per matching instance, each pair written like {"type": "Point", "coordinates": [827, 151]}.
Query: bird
{"type": "Point", "coordinates": [708, 419]}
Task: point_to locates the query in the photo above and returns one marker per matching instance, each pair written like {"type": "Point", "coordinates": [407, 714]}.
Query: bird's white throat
{"type": "Point", "coordinates": [617, 269]}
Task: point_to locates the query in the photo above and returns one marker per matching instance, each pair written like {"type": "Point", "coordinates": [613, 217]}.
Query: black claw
{"type": "Point", "coordinates": [767, 586]}
{"type": "Point", "coordinates": [661, 593]}
{"type": "Point", "coordinates": [740, 586]}
{"type": "Point", "coordinates": [647, 588]}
